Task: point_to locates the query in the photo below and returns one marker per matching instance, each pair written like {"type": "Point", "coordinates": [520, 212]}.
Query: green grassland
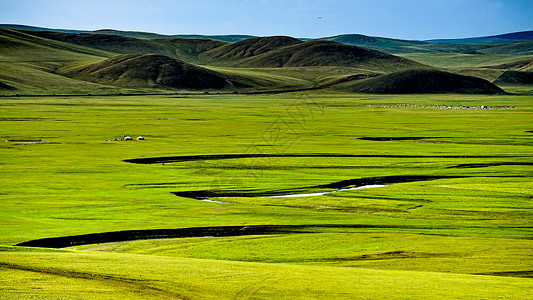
{"type": "Point", "coordinates": [463, 231]}
{"type": "Point", "coordinates": [464, 236]}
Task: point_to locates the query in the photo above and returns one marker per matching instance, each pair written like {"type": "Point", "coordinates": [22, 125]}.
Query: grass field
{"type": "Point", "coordinates": [466, 235]}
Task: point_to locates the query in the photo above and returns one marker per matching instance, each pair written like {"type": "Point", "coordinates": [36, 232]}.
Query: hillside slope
{"type": "Point", "coordinates": [28, 64]}
{"type": "Point", "coordinates": [515, 77]}
{"type": "Point", "coordinates": [327, 53]}
{"type": "Point", "coordinates": [515, 48]}
{"type": "Point", "coordinates": [521, 65]}
{"type": "Point", "coordinates": [149, 70]}
{"type": "Point", "coordinates": [25, 46]}
{"type": "Point", "coordinates": [422, 82]}
{"type": "Point", "coordinates": [4, 86]}
{"type": "Point", "coordinates": [179, 48]}
{"type": "Point", "coordinates": [247, 48]}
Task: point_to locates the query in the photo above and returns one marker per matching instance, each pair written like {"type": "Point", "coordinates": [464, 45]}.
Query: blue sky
{"type": "Point", "coordinates": [404, 19]}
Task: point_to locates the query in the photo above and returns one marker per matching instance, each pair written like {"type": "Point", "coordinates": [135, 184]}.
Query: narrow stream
{"type": "Point", "coordinates": [370, 186]}
{"type": "Point", "coordinates": [309, 191]}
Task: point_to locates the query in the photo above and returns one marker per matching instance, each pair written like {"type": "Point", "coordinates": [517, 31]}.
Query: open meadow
{"type": "Point", "coordinates": [366, 196]}
{"type": "Point", "coordinates": [139, 165]}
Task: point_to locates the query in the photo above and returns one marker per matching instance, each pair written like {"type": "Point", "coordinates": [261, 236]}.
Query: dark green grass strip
{"type": "Point", "coordinates": [218, 231]}
{"type": "Point", "coordinates": [496, 164]}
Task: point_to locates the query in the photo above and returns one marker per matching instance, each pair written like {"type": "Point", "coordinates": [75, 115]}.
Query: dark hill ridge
{"type": "Point", "coordinates": [149, 35]}
{"type": "Point", "coordinates": [131, 34]}
{"type": "Point", "coordinates": [34, 28]}
{"type": "Point", "coordinates": [515, 77]}
{"type": "Point", "coordinates": [5, 86]}
{"type": "Point", "coordinates": [150, 70]}
{"type": "Point", "coordinates": [327, 53]}
{"type": "Point", "coordinates": [249, 48]}
{"type": "Point", "coordinates": [500, 38]}
{"type": "Point", "coordinates": [359, 39]}
{"type": "Point", "coordinates": [522, 35]}
{"type": "Point", "coordinates": [422, 82]}
{"type": "Point", "coordinates": [377, 43]}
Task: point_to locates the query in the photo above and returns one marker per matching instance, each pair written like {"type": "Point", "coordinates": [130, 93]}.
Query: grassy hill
{"type": "Point", "coordinates": [515, 77]}
{"type": "Point", "coordinates": [326, 53]}
{"type": "Point", "coordinates": [149, 70]}
{"type": "Point", "coordinates": [179, 48]}
{"type": "Point", "coordinates": [29, 64]}
{"type": "Point", "coordinates": [18, 46]}
{"type": "Point", "coordinates": [517, 48]}
{"type": "Point", "coordinates": [422, 82]}
{"type": "Point", "coordinates": [247, 48]}
{"type": "Point", "coordinates": [521, 65]}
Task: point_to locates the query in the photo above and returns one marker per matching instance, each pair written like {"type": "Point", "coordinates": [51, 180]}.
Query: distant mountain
{"type": "Point", "coordinates": [501, 38]}
{"type": "Point", "coordinates": [131, 34]}
{"type": "Point", "coordinates": [422, 82]}
{"type": "Point", "coordinates": [376, 43]}
{"type": "Point", "coordinates": [33, 28]}
{"type": "Point", "coordinates": [497, 44]}
{"type": "Point", "coordinates": [149, 35]}
{"type": "Point", "coordinates": [223, 38]}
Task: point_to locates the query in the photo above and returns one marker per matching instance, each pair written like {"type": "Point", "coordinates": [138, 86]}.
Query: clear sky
{"type": "Point", "coordinates": [404, 19]}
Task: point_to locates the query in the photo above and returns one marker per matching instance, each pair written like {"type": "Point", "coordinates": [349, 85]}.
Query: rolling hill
{"type": "Point", "coordinates": [521, 65]}
{"type": "Point", "coordinates": [150, 70]}
{"type": "Point", "coordinates": [179, 48]}
{"type": "Point", "coordinates": [34, 60]}
{"type": "Point", "coordinates": [248, 48]}
{"type": "Point", "coordinates": [327, 53]}
{"type": "Point", "coordinates": [422, 82]}
{"type": "Point", "coordinates": [29, 64]}
{"type": "Point", "coordinates": [515, 77]}
{"type": "Point", "coordinates": [28, 47]}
